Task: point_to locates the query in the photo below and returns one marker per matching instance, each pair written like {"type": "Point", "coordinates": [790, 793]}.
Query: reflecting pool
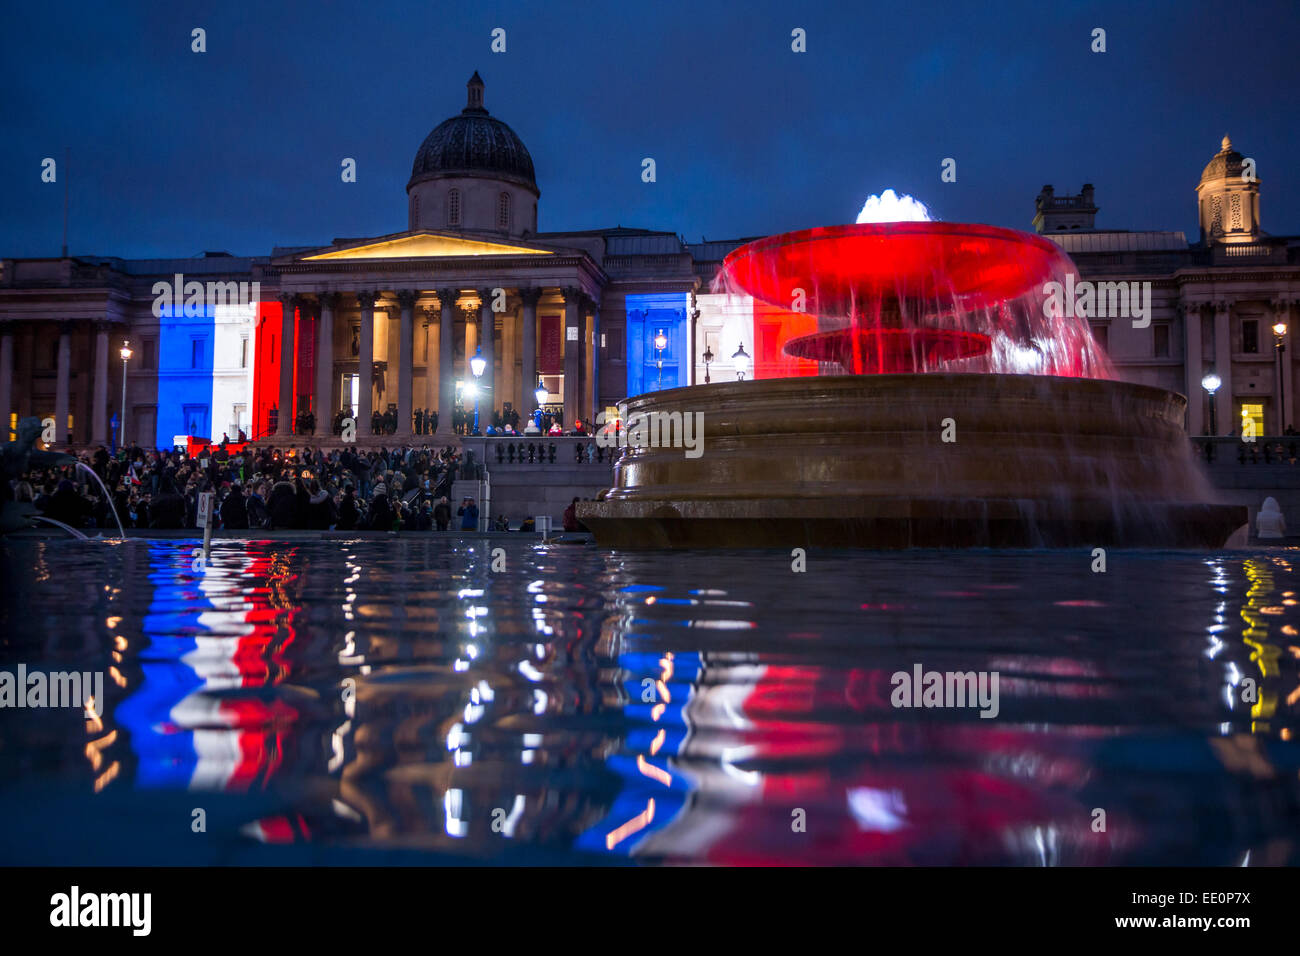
{"type": "Point", "coordinates": [427, 699]}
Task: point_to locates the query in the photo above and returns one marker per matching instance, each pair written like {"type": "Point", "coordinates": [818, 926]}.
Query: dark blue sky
{"type": "Point", "coordinates": [239, 148]}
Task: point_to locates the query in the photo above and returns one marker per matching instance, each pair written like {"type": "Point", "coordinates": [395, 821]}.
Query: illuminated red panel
{"type": "Point", "coordinates": [773, 327]}
{"type": "Point", "coordinates": [266, 367]}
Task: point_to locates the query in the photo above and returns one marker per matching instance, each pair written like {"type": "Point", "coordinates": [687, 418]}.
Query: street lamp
{"type": "Point", "coordinates": [741, 360]}
{"type": "Point", "coordinates": [541, 394]}
{"type": "Point", "coordinates": [121, 423]}
{"type": "Point", "coordinates": [1279, 336]}
{"type": "Point", "coordinates": [476, 365]}
{"type": "Point", "coordinates": [1211, 384]}
{"type": "Point", "coordinates": [708, 359]}
{"type": "Point", "coordinates": [660, 343]}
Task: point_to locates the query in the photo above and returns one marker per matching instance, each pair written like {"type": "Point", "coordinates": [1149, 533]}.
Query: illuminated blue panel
{"type": "Point", "coordinates": [186, 342]}
{"type": "Point", "coordinates": [647, 316]}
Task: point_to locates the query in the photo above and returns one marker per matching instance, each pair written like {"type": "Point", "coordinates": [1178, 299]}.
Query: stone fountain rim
{"type": "Point", "coordinates": [891, 381]}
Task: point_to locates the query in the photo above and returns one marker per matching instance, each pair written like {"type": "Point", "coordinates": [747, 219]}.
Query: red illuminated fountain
{"type": "Point", "coordinates": [972, 413]}
{"type": "Point", "coordinates": [918, 296]}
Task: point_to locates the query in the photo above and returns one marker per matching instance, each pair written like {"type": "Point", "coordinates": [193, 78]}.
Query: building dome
{"type": "Point", "coordinates": [474, 144]}
{"type": "Point", "coordinates": [1227, 162]}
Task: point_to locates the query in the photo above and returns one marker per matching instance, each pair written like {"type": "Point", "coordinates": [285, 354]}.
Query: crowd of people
{"type": "Point", "coordinates": [406, 488]}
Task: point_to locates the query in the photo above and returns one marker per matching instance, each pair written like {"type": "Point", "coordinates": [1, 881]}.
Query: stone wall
{"type": "Point", "coordinates": [520, 488]}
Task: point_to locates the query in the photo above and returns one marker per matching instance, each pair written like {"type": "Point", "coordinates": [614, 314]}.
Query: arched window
{"type": "Point", "coordinates": [1216, 215]}
{"type": "Point", "coordinates": [453, 207]}
{"type": "Point", "coordinates": [503, 211]}
{"type": "Point", "coordinates": [1234, 206]}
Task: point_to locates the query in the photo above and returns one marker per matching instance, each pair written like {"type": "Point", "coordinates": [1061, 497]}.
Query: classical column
{"type": "Point", "coordinates": [366, 363]}
{"type": "Point", "coordinates": [430, 400]}
{"type": "Point", "coordinates": [99, 410]}
{"type": "Point", "coordinates": [487, 321]}
{"type": "Point", "coordinates": [1192, 370]}
{"type": "Point", "coordinates": [324, 400]}
{"type": "Point", "coordinates": [6, 378]}
{"type": "Point", "coordinates": [572, 356]}
{"type": "Point", "coordinates": [593, 391]}
{"type": "Point", "coordinates": [471, 346]}
{"type": "Point", "coordinates": [284, 426]}
{"type": "Point", "coordinates": [61, 435]}
{"type": "Point", "coordinates": [528, 375]}
{"type": "Point", "coordinates": [446, 376]}
{"type": "Point", "coordinates": [1223, 367]}
{"type": "Point", "coordinates": [509, 383]}
{"type": "Point", "coordinates": [405, 387]}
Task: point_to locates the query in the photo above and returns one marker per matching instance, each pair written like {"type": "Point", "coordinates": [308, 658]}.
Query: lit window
{"type": "Point", "coordinates": [453, 208]}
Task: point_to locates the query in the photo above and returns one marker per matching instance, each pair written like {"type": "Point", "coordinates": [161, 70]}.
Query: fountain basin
{"type": "Point", "coordinates": [860, 461]}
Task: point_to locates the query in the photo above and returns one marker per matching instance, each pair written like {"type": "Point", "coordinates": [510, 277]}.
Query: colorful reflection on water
{"type": "Point", "coordinates": [339, 701]}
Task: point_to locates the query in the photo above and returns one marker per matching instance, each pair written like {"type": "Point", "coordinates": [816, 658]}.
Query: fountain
{"type": "Point", "coordinates": [955, 406]}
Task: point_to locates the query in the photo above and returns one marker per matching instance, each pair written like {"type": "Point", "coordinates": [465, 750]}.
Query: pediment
{"type": "Point", "coordinates": [426, 245]}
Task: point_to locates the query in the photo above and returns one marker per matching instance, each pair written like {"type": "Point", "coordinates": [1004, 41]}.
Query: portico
{"type": "Point", "coordinates": [402, 315]}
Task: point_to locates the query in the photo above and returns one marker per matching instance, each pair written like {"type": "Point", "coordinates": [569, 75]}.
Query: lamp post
{"type": "Point", "coordinates": [1211, 383]}
{"type": "Point", "coordinates": [541, 394]}
{"type": "Point", "coordinates": [121, 422]}
{"type": "Point", "coordinates": [708, 360]}
{"type": "Point", "coordinates": [741, 360]}
{"type": "Point", "coordinates": [660, 343]}
{"type": "Point", "coordinates": [476, 365]}
{"type": "Point", "coordinates": [1279, 337]}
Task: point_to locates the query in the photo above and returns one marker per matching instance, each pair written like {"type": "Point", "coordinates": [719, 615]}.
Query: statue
{"type": "Point", "coordinates": [16, 459]}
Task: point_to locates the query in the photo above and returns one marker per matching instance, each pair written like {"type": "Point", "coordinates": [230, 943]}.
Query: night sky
{"type": "Point", "coordinates": [239, 148]}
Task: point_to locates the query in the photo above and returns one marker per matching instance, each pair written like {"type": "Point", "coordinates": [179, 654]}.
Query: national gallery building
{"type": "Point", "coordinates": [394, 323]}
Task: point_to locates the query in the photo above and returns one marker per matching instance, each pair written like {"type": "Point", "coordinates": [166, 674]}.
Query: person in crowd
{"type": "Point", "coordinates": [67, 506]}
{"type": "Point", "coordinates": [348, 513]}
{"type": "Point", "coordinates": [442, 514]}
{"type": "Point", "coordinates": [502, 523]}
{"type": "Point", "coordinates": [381, 513]}
{"type": "Point", "coordinates": [234, 509]}
{"type": "Point", "coordinates": [167, 511]}
{"type": "Point", "coordinates": [468, 514]}
{"type": "Point", "coordinates": [571, 517]}
{"type": "Point", "coordinates": [320, 508]}
{"type": "Point", "coordinates": [282, 504]}
{"type": "Point", "coordinates": [259, 514]}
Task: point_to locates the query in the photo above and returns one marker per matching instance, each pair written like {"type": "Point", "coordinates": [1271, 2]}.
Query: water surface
{"type": "Point", "coordinates": [399, 700]}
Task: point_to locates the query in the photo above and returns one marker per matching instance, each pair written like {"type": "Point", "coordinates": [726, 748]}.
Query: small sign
{"type": "Point", "coordinates": [571, 333]}
{"type": "Point", "coordinates": [203, 517]}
